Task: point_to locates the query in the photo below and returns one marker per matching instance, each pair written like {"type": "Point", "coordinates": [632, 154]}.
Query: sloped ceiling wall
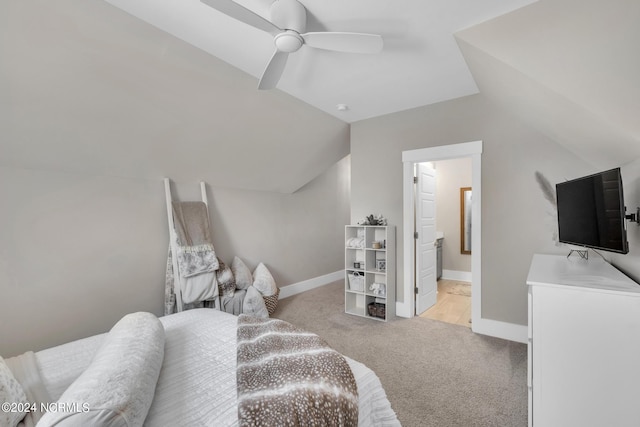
{"type": "Point", "coordinates": [570, 68]}
{"type": "Point", "coordinates": [86, 88]}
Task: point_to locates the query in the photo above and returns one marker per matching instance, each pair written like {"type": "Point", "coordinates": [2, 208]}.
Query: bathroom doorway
{"type": "Point", "coordinates": [471, 150]}
{"type": "Point", "coordinates": [453, 220]}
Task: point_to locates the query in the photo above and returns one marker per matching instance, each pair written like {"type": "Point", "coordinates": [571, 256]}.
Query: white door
{"type": "Point", "coordinates": [425, 248]}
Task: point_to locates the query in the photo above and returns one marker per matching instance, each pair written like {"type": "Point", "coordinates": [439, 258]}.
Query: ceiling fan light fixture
{"type": "Point", "coordinates": [288, 41]}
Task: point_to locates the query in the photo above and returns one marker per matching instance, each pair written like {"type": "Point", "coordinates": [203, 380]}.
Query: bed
{"type": "Point", "coordinates": [196, 383]}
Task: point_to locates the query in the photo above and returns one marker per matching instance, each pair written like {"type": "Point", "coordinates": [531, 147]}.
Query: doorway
{"type": "Point", "coordinates": [453, 243]}
{"type": "Point", "coordinates": [433, 154]}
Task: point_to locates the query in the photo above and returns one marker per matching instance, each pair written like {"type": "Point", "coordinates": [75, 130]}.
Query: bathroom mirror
{"type": "Point", "coordinates": [465, 220]}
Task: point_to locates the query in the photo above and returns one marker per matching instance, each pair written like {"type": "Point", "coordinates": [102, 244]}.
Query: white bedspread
{"type": "Point", "coordinates": [197, 384]}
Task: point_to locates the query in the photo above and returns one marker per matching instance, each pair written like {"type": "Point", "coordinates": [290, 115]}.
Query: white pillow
{"type": "Point", "coordinates": [242, 273]}
{"type": "Point", "coordinates": [117, 388]}
{"type": "Point", "coordinates": [253, 304]}
{"type": "Point", "coordinates": [263, 281]}
{"type": "Point", "coordinates": [11, 392]}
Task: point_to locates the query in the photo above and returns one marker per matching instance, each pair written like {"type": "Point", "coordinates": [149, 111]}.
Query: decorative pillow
{"type": "Point", "coordinates": [10, 392]}
{"type": "Point", "coordinates": [233, 305]}
{"type": "Point", "coordinates": [241, 273]}
{"type": "Point", "coordinates": [226, 281]}
{"type": "Point", "coordinates": [263, 281]}
{"type": "Point", "coordinates": [117, 388]}
{"type": "Point", "coordinates": [254, 303]}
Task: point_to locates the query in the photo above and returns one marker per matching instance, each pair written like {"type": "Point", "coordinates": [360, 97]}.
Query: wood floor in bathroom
{"type": "Point", "coordinates": [454, 303]}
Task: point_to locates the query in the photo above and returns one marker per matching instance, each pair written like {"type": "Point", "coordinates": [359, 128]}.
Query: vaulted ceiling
{"type": "Point", "coordinates": [570, 68]}
{"type": "Point", "coordinates": [419, 65]}
{"type": "Point", "coordinates": [152, 88]}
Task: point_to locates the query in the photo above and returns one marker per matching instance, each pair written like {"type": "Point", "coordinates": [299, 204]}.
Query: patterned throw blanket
{"type": "Point", "coordinates": [289, 377]}
{"type": "Point", "coordinates": [196, 254]}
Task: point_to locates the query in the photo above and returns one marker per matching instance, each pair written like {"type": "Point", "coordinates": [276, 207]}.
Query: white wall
{"type": "Point", "coordinates": [96, 107]}
{"type": "Point", "coordinates": [78, 251]}
{"type": "Point", "coordinates": [516, 222]}
{"type": "Point", "coordinates": [451, 176]}
{"type": "Point", "coordinates": [631, 183]}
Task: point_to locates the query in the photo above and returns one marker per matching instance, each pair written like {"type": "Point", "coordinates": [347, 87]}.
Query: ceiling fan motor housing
{"type": "Point", "coordinates": [289, 15]}
{"type": "Point", "coordinates": [288, 41]}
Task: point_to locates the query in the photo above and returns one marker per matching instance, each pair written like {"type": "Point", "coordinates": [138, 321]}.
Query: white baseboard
{"type": "Point", "coordinates": [403, 310]}
{"type": "Point", "coordinates": [498, 329]}
{"type": "Point", "coordinates": [461, 276]}
{"type": "Point", "coordinates": [307, 285]}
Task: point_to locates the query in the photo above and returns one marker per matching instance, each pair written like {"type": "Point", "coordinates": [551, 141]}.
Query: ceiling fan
{"type": "Point", "coordinates": [287, 24]}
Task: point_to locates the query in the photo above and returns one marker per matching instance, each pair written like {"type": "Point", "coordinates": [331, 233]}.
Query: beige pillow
{"type": "Point", "coordinates": [11, 393]}
{"type": "Point", "coordinates": [241, 273]}
{"type": "Point", "coordinates": [263, 281]}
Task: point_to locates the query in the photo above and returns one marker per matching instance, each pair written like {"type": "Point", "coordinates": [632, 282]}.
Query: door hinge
{"type": "Point", "coordinates": [415, 179]}
{"type": "Point", "coordinates": [415, 235]}
{"type": "Point", "coordinates": [415, 290]}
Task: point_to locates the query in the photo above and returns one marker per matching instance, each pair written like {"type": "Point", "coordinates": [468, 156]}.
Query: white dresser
{"type": "Point", "coordinates": [584, 344]}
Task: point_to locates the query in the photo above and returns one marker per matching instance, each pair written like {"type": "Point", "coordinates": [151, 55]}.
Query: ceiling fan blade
{"type": "Point", "coordinates": [344, 42]}
{"type": "Point", "coordinates": [242, 14]}
{"type": "Point", "coordinates": [273, 71]}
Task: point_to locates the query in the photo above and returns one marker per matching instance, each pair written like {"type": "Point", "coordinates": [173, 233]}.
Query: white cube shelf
{"type": "Point", "coordinates": [370, 260]}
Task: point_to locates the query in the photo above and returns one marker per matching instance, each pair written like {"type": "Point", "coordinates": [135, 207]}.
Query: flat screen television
{"type": "Point", "coordinates": [591, 212]}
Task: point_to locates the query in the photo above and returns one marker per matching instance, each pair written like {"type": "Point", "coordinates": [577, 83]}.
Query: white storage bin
{"type": "Point", "coordinates": [356, 282]}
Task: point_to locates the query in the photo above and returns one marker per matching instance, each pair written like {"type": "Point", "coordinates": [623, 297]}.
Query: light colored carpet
{"type": "Point", "coordinates": [435, 374]}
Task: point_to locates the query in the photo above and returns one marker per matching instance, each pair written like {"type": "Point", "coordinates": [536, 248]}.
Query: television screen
{"type": "Point", "coordinates": [591, 212]}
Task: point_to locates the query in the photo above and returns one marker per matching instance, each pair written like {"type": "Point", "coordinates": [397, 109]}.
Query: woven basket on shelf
{"type": "Point", "coordinates": [271, 301]}
{"type": "Point", "coordinates": [377, 309]}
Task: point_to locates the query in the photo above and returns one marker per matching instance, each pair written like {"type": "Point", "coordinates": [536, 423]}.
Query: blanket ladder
{"type": "Point", "coordinates": [177, 280]}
